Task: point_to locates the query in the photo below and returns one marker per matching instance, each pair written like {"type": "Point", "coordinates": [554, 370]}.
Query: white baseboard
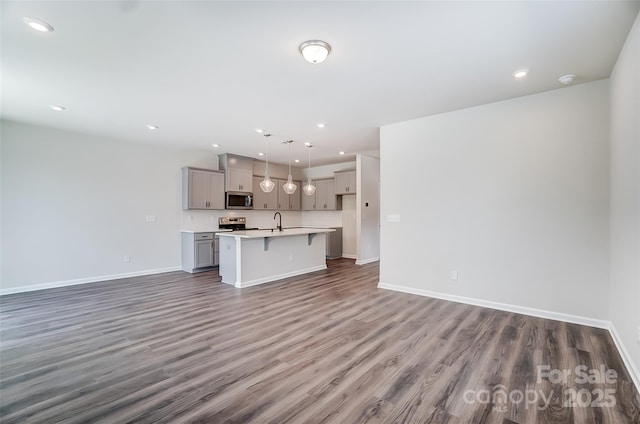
{"type": "Point", "coordinates": [86, 280]}
{"type": "Point", "coordinates": [271, 278]}
{"type": "Point", "coordinates": [540, 313]}
{"type": "Point", "coordinates": [367, 261]}
{"type": "Point", "coordinates": [348, 256]}
{"type": "Point", "coordinates": [626, 356]}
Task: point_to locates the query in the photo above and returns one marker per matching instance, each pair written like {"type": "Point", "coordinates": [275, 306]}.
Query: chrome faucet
{"type": "Point", "coordinates": [280, 224]}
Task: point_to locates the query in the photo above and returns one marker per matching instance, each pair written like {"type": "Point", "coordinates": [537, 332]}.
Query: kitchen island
{"type": "Point", "coordinates": [252, 257]}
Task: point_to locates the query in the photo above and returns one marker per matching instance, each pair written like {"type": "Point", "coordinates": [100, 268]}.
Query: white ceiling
{"type": "Point", "coordinates": [211, 72]}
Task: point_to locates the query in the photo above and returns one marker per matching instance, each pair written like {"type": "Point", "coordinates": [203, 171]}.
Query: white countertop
{"type": "Point", "coordinates": [205, 231]}
{"type": "Point", "coordinates": [275, 233]}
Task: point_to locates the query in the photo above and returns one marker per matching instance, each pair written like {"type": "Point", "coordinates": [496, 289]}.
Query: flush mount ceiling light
{"type": "Point", "coordinates": [566, 79]}
{"type": "Point", "coordinates": [309, 188]}
{"type": "Point", "coordinates": [57, 108]}
{"type": "Point", "coordinates": [321, 125]}
{"type": "Point", "coordinates": [37, 24]}
{"type": "Point", "coordinates": [260, 154]}
{"type": "Point", "coordinates": [341, 153]}
{"type": "Point", "coordinates": [315, 51]}
{"type": "Point", "coordinates": [289, 187]}
{"type": "Point", "coordinates": [215, 145]}
{"type": "Point", "coordinates": [266, 184]}
{"type": "Point", "coordinates": [259, 130]}
{"type": "Point", "coordinates": [151, 127]}
{"type": "Point", "coordinates": [521, 73]}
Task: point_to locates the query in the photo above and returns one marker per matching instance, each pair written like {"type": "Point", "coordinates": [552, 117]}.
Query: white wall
{"type": "Point", "coordinates": [368, 209]}
{"type": "Point", "coordinates": [625, 198]}
{"type": "Point", "coordinates": [513, 195]}
{"type": "Point", "coordinates": [74, 205]}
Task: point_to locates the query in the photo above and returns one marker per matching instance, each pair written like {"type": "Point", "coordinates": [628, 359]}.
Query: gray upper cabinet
{"type": "Point", "coordinates": [326, 195]}
{"type": "Point", "coordinates": [346, 182]}
{"type": "Point", "coordinates": [238, 172]}
{"type": "Point", "coordinates": [309, 202]}
{"type": "Point", "coordinates": [240, 180]}
{"type": "Point", "coordinates": [262, 200]}
{"type": "Point", "coordinates": [324, 199]}
{"type": "Point", "coordinates": [202, 189]}
{"type": "Point", "coordinates": [288, 202]}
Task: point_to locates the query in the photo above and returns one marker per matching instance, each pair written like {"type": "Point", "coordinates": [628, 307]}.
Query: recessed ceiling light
{"type": "Point", "coordinates": [215, 145]}
{"type": "Point", "coordinates": [37, 24]}
{"type": "Point", "coordinates": [259, 130]}
{"type": "Point", "coordinates": [297, 160]}
{"type": "Point", "coordinates": [57, 108]}
{"type": "Point", "coordinates": [520, 73]}
{"type": "Point", "coordinates": [342, 153]}
{"type": "Point", "coordinates": [151, 127]}
{"type": "Point", "coordinates": [321, 125]}
{"type": "Point", "coordinates": [260, 154]}
{"type": "Point", "coordinates": [566, 79]}
{"type": "Point", "coordinates": [307, 144]}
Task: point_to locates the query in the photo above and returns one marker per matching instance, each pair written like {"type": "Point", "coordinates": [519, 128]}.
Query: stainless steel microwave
{"type": "Point", "coordinates": [239, 200]}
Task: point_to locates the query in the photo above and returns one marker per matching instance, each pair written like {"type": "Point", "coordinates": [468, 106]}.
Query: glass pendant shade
{"type": "Point", "coordinates": [309, 189]}
{"type": "Point", "coordinates": [267, 184]}
{"type": "Point", "coordinates": [289, 187]}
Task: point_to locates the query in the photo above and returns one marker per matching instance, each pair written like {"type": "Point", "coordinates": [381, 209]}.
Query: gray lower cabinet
{"type": "Point", "coordinates": [334, 243]}
{"type": "Point", "coordinates": [199, 251]}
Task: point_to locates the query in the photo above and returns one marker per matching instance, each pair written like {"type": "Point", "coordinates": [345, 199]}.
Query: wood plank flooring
{"type": "Point", "coordinates": [328, 347]}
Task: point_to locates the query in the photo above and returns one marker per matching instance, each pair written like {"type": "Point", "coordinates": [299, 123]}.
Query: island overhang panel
{"type": "Point", "coordinates": [248, 258]}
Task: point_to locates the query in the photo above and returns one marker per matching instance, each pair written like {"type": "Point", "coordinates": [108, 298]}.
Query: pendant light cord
{"type": "Point", "coordinates": [289, 142]}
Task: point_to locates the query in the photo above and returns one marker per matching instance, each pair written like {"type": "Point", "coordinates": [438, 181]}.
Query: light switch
{"type": "Point", "coordinates": [151, 218]}
{"type": "Point", "coordinates": [393, 218]}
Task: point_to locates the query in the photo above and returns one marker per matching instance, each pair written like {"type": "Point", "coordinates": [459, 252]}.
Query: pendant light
{"type": "Point", "coordinates": [267, 185]}
{"type": "Point", "coordinates": [309, 189]}
{"type": "Point", "coordinates": [289, 187]}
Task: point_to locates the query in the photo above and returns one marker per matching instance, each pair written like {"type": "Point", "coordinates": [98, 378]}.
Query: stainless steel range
{"type": "Point", "coordinates": [233, 223]}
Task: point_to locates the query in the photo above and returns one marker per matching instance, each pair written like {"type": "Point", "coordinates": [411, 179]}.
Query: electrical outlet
{"type": "Point", "coordinates": [151, 218]}
{"type": "Point", "coordinates": [393, 218]}
{"type": "Point", "coordinates": [127, 258]}
{"type": "Point", "coordinates": [453, 275]}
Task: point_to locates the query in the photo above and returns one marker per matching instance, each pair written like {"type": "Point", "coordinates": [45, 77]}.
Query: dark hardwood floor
{"type": "Point", "coordinates": [328, 347]}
